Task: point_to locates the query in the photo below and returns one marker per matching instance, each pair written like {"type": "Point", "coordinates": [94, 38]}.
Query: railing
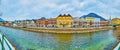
{"type": "Point", "coordinates": [117, 47]}
{"type": "Point", "coordinates": [5, 44]}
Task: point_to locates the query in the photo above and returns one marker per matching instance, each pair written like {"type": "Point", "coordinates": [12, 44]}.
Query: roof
{"type": "Point", "coordinates": [64, 15]}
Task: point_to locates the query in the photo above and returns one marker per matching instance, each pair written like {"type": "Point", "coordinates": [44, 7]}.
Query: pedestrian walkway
{"type": "Point", "coordinates": [5, 44]}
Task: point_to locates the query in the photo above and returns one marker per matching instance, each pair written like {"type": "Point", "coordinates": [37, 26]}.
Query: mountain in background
{"type": "Point", "coordinates": [93, 15]}
{"type": "Point", "coordinates": [1, 20]}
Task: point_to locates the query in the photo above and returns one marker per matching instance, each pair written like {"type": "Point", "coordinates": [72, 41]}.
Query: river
{"type": "Point", "coordinates": [26, 40]}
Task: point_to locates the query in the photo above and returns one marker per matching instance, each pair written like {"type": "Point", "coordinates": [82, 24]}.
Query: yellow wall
{"type": "Point", "coordinates": [64, 21]}
{"type": "Point", "coordinates": [115, 21]}
{"type": "Point", "coordinates": [90, 19]}
{"type": "Point", "coordinates": [118, 21]}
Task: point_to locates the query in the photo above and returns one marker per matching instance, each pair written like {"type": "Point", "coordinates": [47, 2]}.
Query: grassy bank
{"type": "Point", "coordinates": [63, 30]}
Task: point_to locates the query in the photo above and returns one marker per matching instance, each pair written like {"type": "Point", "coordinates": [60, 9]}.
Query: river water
{"type": "Point", "coordinates": [25, 40]}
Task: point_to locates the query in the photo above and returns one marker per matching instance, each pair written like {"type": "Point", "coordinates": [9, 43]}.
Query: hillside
{"type": "Point", "coordinates": [93, 15]}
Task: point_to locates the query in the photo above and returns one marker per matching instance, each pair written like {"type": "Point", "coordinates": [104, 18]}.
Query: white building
{"type": "Point", "coordinates": [96, 22]}
{"type": "Point", "coordinates": [31, 23]}
{"type": "Point", "coordinates": [76, 22]}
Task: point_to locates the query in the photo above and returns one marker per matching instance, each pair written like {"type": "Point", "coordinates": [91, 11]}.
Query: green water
{"type": "Point", "coordinates": [25, 40]}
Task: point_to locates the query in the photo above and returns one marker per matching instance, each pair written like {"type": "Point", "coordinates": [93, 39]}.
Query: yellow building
{"type": "Point", "coordinates": [118, 21]}
{"type": "Point", "coordinates": [64, 21]}
{"type": "Point", "coordinates": [89, 19]}
{"type": "Point", "coordinates": [115, 21]}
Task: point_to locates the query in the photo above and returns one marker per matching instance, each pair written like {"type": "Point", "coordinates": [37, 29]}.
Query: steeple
{"type": "Point", "coordinates": [110, 20]}
{"type": "Point", "coordinates": [69, 15]}
{"type": "Point", "coordinates": [64, 15]}
{"type": "Point", "coordinates": [60, 15]}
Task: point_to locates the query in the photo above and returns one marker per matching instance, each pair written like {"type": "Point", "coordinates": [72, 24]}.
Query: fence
{"type": "Point", "coordinates": [5, 44]}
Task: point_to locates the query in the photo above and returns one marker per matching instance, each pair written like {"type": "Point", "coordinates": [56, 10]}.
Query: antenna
{"type": "Point", "coordinates": [68, 11]}
{"type": "Point", "coordinates": [60, 11]}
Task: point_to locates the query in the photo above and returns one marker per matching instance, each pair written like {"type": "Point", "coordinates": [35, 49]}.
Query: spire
{"type": "Point", "coordinates": [59, 15]}
{"type": "Point", "coordinates": [69, 15]}
{"type": "Point", "coordinates": [64, 15]}
{"type": "Point", "coordinates": [110, 20]}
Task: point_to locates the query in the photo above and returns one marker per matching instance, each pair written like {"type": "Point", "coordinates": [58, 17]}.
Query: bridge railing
{"type": "Point", "coordinates": [5, 44]}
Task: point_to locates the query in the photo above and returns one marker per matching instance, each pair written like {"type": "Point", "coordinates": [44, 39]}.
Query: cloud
{"type": "Point", "coordinates": [18, 9]}
{"type": "Point", "coordinates": [25, 2]}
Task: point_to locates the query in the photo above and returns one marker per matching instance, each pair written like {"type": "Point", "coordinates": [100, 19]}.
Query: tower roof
{"type": "Point", "coordinates": [64, 15]}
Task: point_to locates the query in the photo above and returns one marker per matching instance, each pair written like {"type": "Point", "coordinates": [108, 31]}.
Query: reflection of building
{"type": "Point", "coordinates": [52, 22]}
{"type": "Point", "coordinates": [64, 41]}
{"type": "Point", "coordinates": [64, 21]}
{"type": "Point", "coordinates": [117, 32]}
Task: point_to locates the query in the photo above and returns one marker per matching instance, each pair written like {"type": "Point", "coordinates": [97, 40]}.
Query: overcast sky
{"type": "Point", "coordinates": [35, 9]}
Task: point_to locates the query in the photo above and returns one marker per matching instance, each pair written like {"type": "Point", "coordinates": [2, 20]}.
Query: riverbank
{"type": "Point", "coordinates": [63, 30]}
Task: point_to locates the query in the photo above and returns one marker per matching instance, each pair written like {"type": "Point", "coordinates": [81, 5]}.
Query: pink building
{"type": "Point", "coordinates": [52, 22]}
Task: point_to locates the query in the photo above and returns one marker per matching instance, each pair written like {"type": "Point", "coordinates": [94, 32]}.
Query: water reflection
{"type": "Point", "coordinates": [117, 33]}
{"type": "Point", "coordinates": [63, 41]}
{"type": "Point", "coordinates": [25, 40]}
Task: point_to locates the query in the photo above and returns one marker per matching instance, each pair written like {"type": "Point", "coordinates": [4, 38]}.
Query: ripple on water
{"type": "Point", "coordinates": [25, 40]}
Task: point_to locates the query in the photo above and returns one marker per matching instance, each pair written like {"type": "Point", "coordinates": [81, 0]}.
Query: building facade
{"type": "Point", "coordinates": [76, 22]}
{"type": "Point", "coordinates": [43, 22]}
{"type": "Point", "coordinates": [104, 23]}
{"type": "Point", "coordinates": [118, 21]}
{"type": "Point", "coordinates": [51, 22]}
{"type": "Point", "coordinates": [96, 22]}
{"type": "Point", "coordinates": [115, 21]}
{"type": "Point", "coordinates": [31, 23]}
{"type": "Point", "coordinates": [90, 21]}
{"type": "Point", "coordinates": [64, 21]}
